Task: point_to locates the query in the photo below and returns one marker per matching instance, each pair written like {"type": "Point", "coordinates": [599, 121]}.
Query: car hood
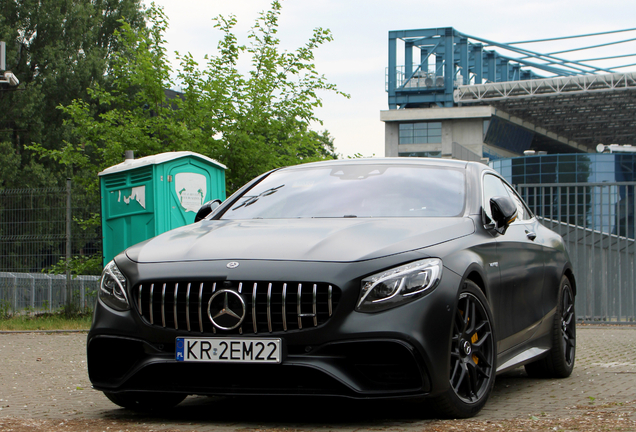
{"type": "Point", "coordinates": [326, 240]}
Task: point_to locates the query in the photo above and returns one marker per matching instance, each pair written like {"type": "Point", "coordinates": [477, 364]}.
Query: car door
{"type": "Point", "coordinates": [516, 300]}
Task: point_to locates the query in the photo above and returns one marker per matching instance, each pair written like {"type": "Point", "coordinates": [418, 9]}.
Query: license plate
{"type": "Point", "coordinates": [228, 350]}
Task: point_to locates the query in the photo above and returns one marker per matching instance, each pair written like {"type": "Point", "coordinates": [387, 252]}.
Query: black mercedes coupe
{"type": "Point", "coordinates": [367, 278]}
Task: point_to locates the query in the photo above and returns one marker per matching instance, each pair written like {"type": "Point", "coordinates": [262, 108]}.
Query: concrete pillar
{"type": "Point", "coordinates": [447, 139]}
{"type": "Point", "coordinates": [391, 139]}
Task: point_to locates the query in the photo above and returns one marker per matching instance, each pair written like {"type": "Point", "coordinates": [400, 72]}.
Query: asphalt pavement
{"type": "Point", "coordinates": [44, 376]}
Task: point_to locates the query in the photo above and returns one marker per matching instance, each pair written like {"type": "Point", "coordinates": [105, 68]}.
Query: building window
{"type": "Point", "coordinates": [432, 154]}
{"type": "Point", "coordinates": [421, 133]}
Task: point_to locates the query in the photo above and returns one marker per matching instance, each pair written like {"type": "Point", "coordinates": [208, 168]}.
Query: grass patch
{"type": "Point", "coordinates": [46, 321]}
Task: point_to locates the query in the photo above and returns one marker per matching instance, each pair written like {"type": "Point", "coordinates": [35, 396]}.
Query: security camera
{"type": "Point", "coordinates": [11, 79]}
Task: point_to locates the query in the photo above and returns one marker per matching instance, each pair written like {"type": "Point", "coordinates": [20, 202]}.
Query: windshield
{"type": "Point", "coordinates": [356, 190]}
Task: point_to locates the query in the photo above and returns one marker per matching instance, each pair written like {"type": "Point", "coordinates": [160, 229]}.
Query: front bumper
{"type": "Point", "coordinates": [403, 351]}
{"type": "Point", "coordinates": [369, 368]}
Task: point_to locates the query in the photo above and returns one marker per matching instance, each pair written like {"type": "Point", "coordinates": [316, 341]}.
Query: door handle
{"type": "Point", "coordinates": [531, 235]}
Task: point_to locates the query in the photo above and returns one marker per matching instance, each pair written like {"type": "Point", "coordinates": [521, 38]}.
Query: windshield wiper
{"type": "Point", "coordinates": [251, 199]}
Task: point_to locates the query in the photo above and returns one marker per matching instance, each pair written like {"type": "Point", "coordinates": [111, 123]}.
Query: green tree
{"type": "Point", "coordinates": [273, 106]}
{"type": "Point", "coordinates": [57, 49]}
{"type": "Point", "coordinates": [250, 122]}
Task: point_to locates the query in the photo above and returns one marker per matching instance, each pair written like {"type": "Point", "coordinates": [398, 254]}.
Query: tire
{"type": "Point", "coordinates": [559, 362]}
{"type": "Point", "coordinates": [472, 356]}
{"type": "Point", "coordinates": [145, 401]}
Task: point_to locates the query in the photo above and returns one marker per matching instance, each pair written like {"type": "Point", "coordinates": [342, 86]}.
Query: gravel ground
{"type": "Point", "coordinates": [44, 387]}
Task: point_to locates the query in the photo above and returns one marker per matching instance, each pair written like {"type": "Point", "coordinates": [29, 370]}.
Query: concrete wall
{"type": "Point", "coordinates": [462, 153]}
{"type": "Point", "coordinates": [463, 125]}
{"type": "Point", "coordinates": [468, 133]}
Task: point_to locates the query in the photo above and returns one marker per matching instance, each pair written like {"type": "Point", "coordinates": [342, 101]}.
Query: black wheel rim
{"type": "Point", "coordinates": [472, 350]}
{"type": "Point", "coordinates": [568, 322]}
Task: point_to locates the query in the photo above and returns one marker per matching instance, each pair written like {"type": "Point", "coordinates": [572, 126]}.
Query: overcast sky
{"type": "Point", "coordinates": [357, 57]}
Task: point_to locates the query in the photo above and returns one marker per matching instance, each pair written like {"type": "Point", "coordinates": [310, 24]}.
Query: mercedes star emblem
{"type": "Point", "coordinates": [226, 309]}
{"type": "Point", "coordinates": [467, 348]}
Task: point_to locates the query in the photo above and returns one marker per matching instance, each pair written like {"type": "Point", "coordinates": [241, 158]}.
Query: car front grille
{"type": "Point", "coordinates": [269, 306]}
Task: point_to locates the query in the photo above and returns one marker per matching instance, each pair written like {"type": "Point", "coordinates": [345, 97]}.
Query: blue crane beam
{"type": "Point", "coordinates": [570, 37]}
{"type": "Point", "coordinates": [420, 84]}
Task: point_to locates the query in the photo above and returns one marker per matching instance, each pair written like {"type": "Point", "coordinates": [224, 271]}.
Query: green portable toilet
{"type": "Point", "coordinates": [144, 197]}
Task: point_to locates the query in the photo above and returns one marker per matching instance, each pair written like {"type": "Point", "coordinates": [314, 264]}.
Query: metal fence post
{"type": "Point", "coordinates": [15, 294]}
{"type": "Point", "coordinates": [81, 305]}
{"type": "Point", "coordinates": [32, 293]}
{"type": "Point", "coordinates": [50, 292]}
{"type": "Point", "coordinates": [68, 291]}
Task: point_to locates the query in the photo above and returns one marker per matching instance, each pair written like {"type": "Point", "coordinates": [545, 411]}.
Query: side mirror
{"type": "Point", "coordinates": [504, 212]}
{"type": "Point", "coordinates": [206, 209]}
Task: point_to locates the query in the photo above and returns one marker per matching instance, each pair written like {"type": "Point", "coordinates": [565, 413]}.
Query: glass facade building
{"type": "Point", "coordinates": [590, 190]}
{"type": "Point", "coordinates": [420, 133]}
{"type": "Point", "coordinates": [568, 168]}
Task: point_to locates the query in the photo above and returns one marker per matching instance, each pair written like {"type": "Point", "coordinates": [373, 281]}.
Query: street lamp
{"type": "Point", "coordinates": [10, 79]}
{"type": "Point", "coordinates": [7, 77]}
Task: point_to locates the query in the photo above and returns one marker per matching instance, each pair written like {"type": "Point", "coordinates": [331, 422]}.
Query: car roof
{"type": "Point", "coordinates": [436, 162]}
{"type": "Point", "coordinates": [472, 168]}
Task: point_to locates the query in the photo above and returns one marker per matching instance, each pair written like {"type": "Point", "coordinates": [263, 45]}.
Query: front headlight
{"type": "Point", "coordinates": [112, 288]}
{"type": "Point", "coordinates": [399, 285]}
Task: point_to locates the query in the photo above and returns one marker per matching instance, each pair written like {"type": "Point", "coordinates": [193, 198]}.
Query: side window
{"type": "Point", "coordinates": [523, 214]}
{"type": "Point", "coordinates": [492, 187]}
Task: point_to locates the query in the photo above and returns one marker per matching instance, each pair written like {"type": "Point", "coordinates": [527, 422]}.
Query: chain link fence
{"type": "Point", "coordinates": [40, 230]}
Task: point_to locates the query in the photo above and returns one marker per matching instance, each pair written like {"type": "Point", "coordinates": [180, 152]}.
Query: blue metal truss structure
{"type": "Point", "coordinates": [449, 59]}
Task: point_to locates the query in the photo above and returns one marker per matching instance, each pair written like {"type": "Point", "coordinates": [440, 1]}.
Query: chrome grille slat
{"type": "Point", "coordinates": [313, 299]}
{"type": "Point", "coordinates": [174, 307]}
{"type": "Point", "coordinates": [200, 302]}
{"type": "Point", "coordinates": [284, 312]}
{"type": "Point", "coordinates": [270, 306]}
{"type": "Point", "coordinates": [152, 292]}
{"type": "Point", "coordinates": [163, 305]}
{"type": "Point", "coordinates": [254, 308]}
{"type": "Point", "coordinates": [298, 303]}
{"type": "Point", "coordinates": [213, 289]}
{"type": "Point", "coordinates": [313, 308]}
{"type": "Point", "coordinates": [240, 289]}
{"type": "Point", "coordinates": [139, 299]}
{"type": "Point", "coordinates": [188, 307]}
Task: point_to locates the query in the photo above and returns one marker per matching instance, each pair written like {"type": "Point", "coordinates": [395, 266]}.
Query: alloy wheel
{"type": "Point", "coordinates": [472, 350]}
{"type": "Point", "coordinates": [567, 325]}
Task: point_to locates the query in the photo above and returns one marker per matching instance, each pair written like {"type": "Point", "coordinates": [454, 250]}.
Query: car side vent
{"type": "Point", "coordinates": [269, 307]}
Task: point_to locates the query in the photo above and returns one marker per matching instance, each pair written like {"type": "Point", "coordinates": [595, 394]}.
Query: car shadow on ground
{"type": "Point", "coordinates": [283, 411]}
{"type": "Point", "coordinates": [308, 411]}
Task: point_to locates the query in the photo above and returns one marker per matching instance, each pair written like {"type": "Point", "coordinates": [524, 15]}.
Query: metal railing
{"type": "Point", "coordinates": [596, 220]}
{"type": "Point", "coordinates": [430, 78]}
{"type": "Point", "coordinates": [38, 292]}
